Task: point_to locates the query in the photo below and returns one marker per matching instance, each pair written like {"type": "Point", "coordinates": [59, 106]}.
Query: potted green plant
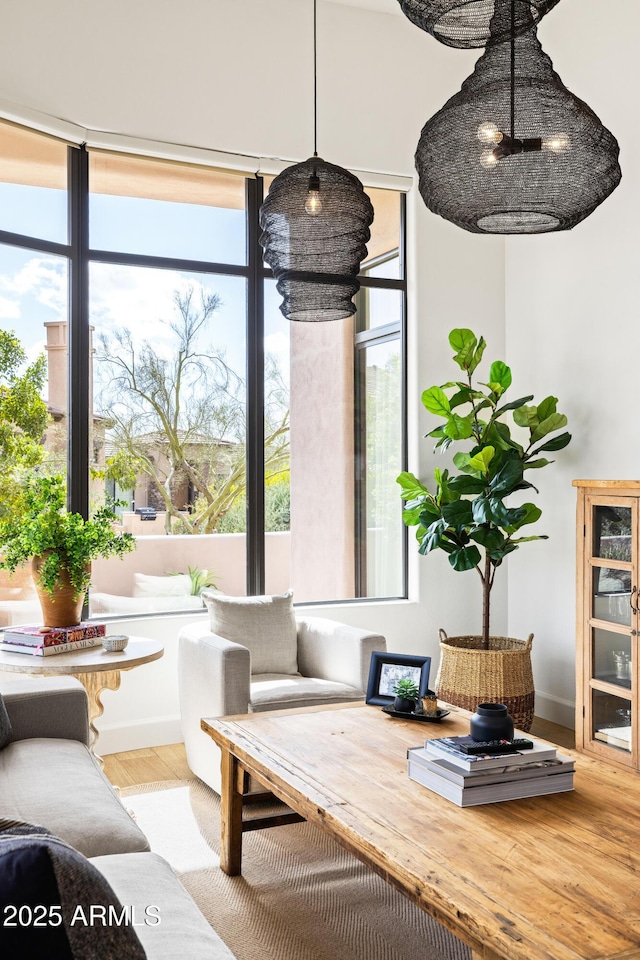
{"type": "Point", "coordinates": [407, 695]}
{"type": "Point", "coordinates": [468, 517]}
{"type": "Point", "coordinates": [59, 544]}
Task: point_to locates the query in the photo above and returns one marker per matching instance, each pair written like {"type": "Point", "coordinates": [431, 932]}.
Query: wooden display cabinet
{"type": "Point", "coordinates": [608, 619]}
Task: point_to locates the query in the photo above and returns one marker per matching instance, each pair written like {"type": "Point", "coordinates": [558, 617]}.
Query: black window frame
{"type": "Point", "coordinates": [80, 255]}
{"type": "Point", "coordinates": [365, 338]}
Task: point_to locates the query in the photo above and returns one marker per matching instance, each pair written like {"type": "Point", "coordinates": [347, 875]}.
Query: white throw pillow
{"type": "Point", "coordinates": [169, 586]}
{"type": "Point", "coordinates": [265, 625]}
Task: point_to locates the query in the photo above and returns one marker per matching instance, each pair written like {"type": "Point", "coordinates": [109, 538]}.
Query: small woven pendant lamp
{"type": "Point", "coordinates": [315, 227]}
{"type": "Point", "coordinates": [515, 151]}
{"type": "Point", "coordinates": [466, 23]}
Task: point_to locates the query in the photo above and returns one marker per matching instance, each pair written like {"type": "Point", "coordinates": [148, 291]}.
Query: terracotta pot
{"type": "Point", "coordinates": [64, 609]}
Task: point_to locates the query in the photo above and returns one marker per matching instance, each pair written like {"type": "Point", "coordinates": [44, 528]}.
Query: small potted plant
{"type": "Point", "coordinates": [59, 544]}
{"type": "Point", "coordinates": [407, 695]}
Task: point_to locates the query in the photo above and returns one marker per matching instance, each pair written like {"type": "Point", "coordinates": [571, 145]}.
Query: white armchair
{"type": "Point", "coordinates": [215, 679]}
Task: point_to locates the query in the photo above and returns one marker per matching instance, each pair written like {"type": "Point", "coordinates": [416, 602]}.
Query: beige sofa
{"type": "Point", "coordinates": [48, 777]}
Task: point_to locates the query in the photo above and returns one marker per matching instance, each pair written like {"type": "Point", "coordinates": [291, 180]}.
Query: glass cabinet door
{"type": "Point", "coordinates": [611, 611]}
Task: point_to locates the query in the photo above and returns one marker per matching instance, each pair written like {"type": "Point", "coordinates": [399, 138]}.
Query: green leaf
{"type": "Point", "coordinates": [482, 510]}
{"type": "Point", "coordinates": [458, 513]}
{"type": "Point", "coordinates": [503, 516]}
{"type": "Point", "coordinates": [427, 518]}
{"type": "Point", "coordinates": [499, 377]}
{"type": "Point", "coordinates": [501, 552]}
{"type": "Point", "coordinates": [436, 401]}
{"type": "Point", "coordinates": [557, 443]}
{"type": "Point", "coordinates": [481, 460]}
{"type": "Point", "coordinates": [500, 437]}
{"type": "Point", "coordinates": [464, 343]}
{"type": "Point", "coordinates": [411, 487]}
{"type": "Point", "coordinates": [536, 464]}
{"type": "Point", "coordinates": [488, 537]}
{"type": "Point", "coordinates": [532, 513]}
{"type": "Point", "coordinates": [553, 422]}
{"type": "Point", "coordinates": [547, 407]}
{"type": "Point", "coordinates": [411, 517]}
{"type": "Point", "coordinates": [465, 558]}
{"type": "Point", "coordinates": [459, 428]}
{"type": "Point", "coordinates": [542, 536]}
{"type": "Point", "coordinates": [432, 538]}
{"type": "Point", "coordinates": [514, 405]}
{"type": "Point", "coordinates": [507, 477]}
{"type": "Point", "coordinates": [461, 461]}
{"type": "Point", "coordinates": [462, 396]}
{"type": "Point", "coordinates": [467, 485]}
{"type": "Point", "coordinates": [526, 417]}
{"type": "Point", "coordinates": [477, 357]}
{"type": "Point", "coordinates": [429, 510]}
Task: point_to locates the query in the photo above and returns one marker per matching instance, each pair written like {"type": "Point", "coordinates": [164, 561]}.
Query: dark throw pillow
{"type": "Point", "coordinates": [55, 904]}
{"type": "Point", "coordinates": [5, 724]}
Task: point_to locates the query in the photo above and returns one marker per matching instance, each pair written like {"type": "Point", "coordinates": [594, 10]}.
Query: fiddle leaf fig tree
{"type": "Point", "coordinates": [467, 515]}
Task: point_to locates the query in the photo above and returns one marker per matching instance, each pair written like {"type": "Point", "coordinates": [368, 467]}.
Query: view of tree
{"type": "Point", "coordinates": [23, 413]}
{"type": "Point", "coordinates": [178, 416]}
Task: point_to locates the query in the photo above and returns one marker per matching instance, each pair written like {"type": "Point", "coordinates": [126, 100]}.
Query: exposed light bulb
{"type": "Point", "coordinates": [489, 133]}
{"type": "Point", "coordinates": [313, 203]}
{"type": "Point", "coordinates": [558, 143]}
{"type": "Point", "coordinates": [489, 160]}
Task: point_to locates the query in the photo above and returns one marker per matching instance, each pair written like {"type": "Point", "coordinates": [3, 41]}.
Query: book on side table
{"type": "Point", "coordinates": [466, 780]}
{"type": "Point", "coordinates": [39, 641]}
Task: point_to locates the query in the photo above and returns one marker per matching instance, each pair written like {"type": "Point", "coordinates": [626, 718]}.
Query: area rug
{"type": "Point", "coordinates": [301, 896]}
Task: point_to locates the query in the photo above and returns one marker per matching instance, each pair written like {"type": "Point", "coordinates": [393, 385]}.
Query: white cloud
{"type": "Point", "coordinates": [9, 309]}
{"type": "Point", "coordinates": [45, 280]}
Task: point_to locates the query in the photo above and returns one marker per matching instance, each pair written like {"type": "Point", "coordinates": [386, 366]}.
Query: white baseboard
{"type": "Point", "coordinates": [156, 732]}
{"type": "Point", "coordinates": [556, 710]}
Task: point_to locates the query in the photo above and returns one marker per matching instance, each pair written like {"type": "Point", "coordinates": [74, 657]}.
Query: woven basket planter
{"type": "Point", "coordinates": [468, 675]}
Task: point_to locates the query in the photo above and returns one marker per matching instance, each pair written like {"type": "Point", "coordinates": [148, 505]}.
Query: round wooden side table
{"type": "Point", "coordinates": [96, 669]}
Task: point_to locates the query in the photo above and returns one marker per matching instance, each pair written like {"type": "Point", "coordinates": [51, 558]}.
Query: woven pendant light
{"type": "Point", "coordinates": [315, 227]}
{"type": "Point", "coordinates": [466, 23]}
{"type": "Point", "coordinates": [316, 256]}
{"type": "Point", "coordinates": [515, 151]}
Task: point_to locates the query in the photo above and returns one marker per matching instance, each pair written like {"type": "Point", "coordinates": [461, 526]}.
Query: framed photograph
{"type": "Point", "coordinates": [387, 668]}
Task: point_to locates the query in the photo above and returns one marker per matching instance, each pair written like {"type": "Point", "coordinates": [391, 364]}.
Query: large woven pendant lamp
{"type": "Point", "coordinates": [466, 23]}
{"type": "Point", "coordinates": [315, 227]}
{"type": "Point", "coordinates": [515, 151]}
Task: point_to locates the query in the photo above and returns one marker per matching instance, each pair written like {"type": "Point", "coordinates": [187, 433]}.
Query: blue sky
{"type": "Point", "coordinates": [33, 286]}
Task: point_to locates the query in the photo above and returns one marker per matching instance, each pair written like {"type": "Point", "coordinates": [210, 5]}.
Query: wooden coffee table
{"type": "Point", "coordinates": [546, 878]}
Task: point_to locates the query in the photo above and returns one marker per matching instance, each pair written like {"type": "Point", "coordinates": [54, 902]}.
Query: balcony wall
{"type": "Point", "coordinates": [222, 554]}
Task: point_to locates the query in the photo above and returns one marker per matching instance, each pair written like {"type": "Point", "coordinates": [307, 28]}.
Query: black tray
{"type": "Point", "coordinates": [422, 717]}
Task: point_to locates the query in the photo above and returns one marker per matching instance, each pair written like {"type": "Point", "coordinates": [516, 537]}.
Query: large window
{"type": "Point", "coordinates": [243, 451]}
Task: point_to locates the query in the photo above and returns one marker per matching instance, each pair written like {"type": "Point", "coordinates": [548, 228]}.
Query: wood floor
{"type": "Point", "coordinates": [169, 762]}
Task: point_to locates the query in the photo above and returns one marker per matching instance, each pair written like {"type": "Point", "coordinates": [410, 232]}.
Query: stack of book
{"type": "Point", "coordinates": [38, 641]}
{"type": "Point", "coordinates": [443, 766]}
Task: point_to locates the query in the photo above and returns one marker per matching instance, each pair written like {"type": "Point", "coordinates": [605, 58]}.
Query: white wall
{"type": "Point", "coordinates": [572, 330]}
{"type": "Point", "coordinates": [237, 76]}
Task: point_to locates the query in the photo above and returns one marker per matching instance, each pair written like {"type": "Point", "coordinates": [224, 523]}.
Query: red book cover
{"type": "Point", "coordinates": [35, 634]}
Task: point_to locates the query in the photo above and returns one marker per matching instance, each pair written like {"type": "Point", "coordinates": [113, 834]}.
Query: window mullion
{"type": "Point", "coordinates": [255, 397]}
{"type": "Point", "coordinates": [79, 335]}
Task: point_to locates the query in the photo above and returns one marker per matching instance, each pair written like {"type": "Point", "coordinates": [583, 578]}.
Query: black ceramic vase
{"type": "Point", "coordinates": [491, 721]}
{"type": "Point", "coordinates": [402, 705]}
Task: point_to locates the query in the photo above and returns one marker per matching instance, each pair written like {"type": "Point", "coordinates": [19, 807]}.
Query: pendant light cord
{"type": "Point", "coordinates": [513, 69]}
{"type": "Point", "coordinates": [315, 80]}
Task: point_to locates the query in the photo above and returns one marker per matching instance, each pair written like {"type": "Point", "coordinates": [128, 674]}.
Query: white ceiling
{"type": "Point", "coordinates": [380, 6]}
